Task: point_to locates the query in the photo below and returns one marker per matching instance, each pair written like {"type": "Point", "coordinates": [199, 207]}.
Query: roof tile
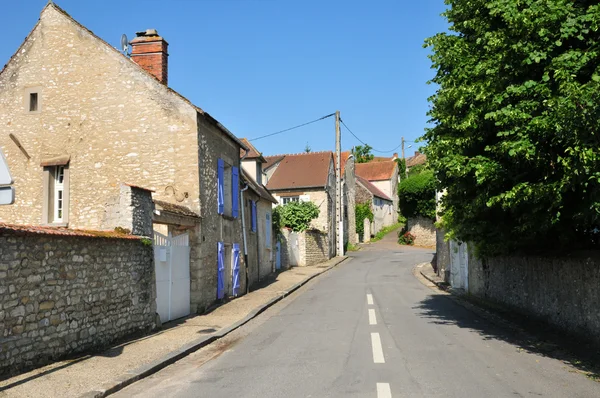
{"type": "Point", "coordinates": [376, 171]}
{"type": "Point", "coordinates": [303, 170]}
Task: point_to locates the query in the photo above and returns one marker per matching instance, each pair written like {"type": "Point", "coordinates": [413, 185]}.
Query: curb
{"type": "Point", "coordinates": [441, 285]}
{"type": "Point", "coordinates": [189, 348]}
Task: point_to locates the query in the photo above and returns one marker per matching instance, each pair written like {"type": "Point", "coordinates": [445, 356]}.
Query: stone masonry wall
{"type": "Point", "coordinates": [424, 231]}
{"type": "Point", "coordinates": [131, 209]}
{"type": "Point", "coordinates": [316, 246]}
{"type": "Point", "coordinates": [562, 291]}
{"type": "Point", "coordinates": [350, 188]}
{"type": "Point", "coordinates": [67, 294]}
{"type": "Point", "coordinates": [117, 123]}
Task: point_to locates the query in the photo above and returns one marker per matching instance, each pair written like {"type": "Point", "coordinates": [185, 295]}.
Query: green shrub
{"type": "Point", "coordinates": [362, 211]}
{"type": "Point", "coordinates": [295, 215]}
{"type": "Point", "coordinates": [406, 238]}
{"type": "Point", "coordinates": [417, 195]}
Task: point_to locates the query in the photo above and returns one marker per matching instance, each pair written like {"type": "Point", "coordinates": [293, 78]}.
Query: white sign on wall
{"type": "Point", "coordinates": [7, 192]}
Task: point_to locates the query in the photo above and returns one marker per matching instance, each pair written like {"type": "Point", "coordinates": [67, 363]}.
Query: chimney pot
{"type": "Point", "coordinates": [149, 51]}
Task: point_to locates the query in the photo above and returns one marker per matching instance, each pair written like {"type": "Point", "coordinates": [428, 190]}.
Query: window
{"type": "Point", "coordinates": [253, 213]}
{"type": "Point", "coordinates": [228, 189]}
{"type": "Point", "coordinates": [56, 195]}
{"type": "Point", "coordinates": [33, 102]}
{"type": "Point", "coordinates": [289, 199]}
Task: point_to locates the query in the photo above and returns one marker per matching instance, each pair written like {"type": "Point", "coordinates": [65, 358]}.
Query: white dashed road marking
{"type": "Point", "coordinates": [377, 349]}
{"type": "Point", "coordinates": [370, 299]}
{"type": "Point", "coordinates": [372, 317]}
{"type": "Point", "coordinates": [383, 390]}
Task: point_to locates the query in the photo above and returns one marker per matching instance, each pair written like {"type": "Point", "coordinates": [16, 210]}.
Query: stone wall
{"type": "Point", "coordinates": [131, 209]}
{"type": "Point", "coordinates": [424, 231]}
{"type": "Point", "coordinates": [64, 294]}
{"type": "Point", "coordinates": [316, 247]}
{"type": "Point", "coordinates": [350, 187]}
{"type": "Point", "coordinates": [562, 291]}
{"type": "Point", "coordinates": [442, 255]}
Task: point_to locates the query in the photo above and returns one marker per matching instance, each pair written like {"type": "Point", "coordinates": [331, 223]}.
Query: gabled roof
{"type": "Point", "coordinates": [260, 190]}
{"type": "Point", "coordinates": [417, 159]}
{"type": "Point", "coordinates": [384, 158]}
{"type": "Point", "coordinates": [372, 188]}
{"type": "Point", "coordinates": [51, 4]}
{"type": "Point", "coordinates": [271, 161]}
{"type": "Point", "coordinates": [252, 151]}
{"type": "Point", "coordinates": [376, 171]}
{"type": "Point", "coordinates": [303, 170]}
{"type": "Point", "coordinates": [175, 209]}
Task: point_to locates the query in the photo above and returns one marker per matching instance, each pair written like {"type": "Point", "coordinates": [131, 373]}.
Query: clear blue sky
{"type": "Point", "coordinates": [260, 66]}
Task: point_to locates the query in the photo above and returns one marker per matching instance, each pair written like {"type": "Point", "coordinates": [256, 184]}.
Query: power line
{"type": "Point", "coordinates": [292, 128]}
{"type": "Point", "coordinates": [364, 143]}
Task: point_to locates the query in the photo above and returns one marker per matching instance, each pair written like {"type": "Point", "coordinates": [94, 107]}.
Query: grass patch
{"type": "Point", "coordinates": [352, 248]}
{"type": "Point", "coordinates": [386, 230]}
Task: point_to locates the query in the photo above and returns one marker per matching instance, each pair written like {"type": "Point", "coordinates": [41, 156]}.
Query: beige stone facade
{"type": "Point", "coordinates": [108, 122]}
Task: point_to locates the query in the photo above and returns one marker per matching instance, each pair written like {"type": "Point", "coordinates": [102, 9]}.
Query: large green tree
{"type": "Point", "coordinates": [362, 154]}
{"type": "Point", "coordinates": [516, 119]}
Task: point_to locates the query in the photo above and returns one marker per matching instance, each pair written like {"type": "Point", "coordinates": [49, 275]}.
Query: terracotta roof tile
{"type": "Point", "coordinates": [372, 188]}
{"type": "Point", "coordinates": [252, 153]}
{"type": "Point", "coordinates": [303, 170]}
{"type": "Point", "coordinates": [272, 160]}
{"type": "Point", "coordinates": [376, 171]}
{"type": "Point", "coordinates": [417, 159]}
{"type": "Point", "coordinates": [7, 229]}
{"type": "Point", "coordinates": [175, 209]}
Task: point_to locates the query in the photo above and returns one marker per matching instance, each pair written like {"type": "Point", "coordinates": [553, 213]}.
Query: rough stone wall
{"type": "Point", "coordinates": [316, 247]}
{"type": "Point", "coordinates": [321, 199]}
{"type": "Point", "coordinates": [67, 294]}
{"type": "Point", "coordinates": [215, 227]}
{"type": "Point", "coordinates": [424, 231]}
{"type": "Point", "coordinates": [350, 202]}
{"type": "Point", "coordinates": [363, 195]}
{"type": "Point", "coordinates": [132, 209]}
{"type": "Point", "coordinates": [559, 290]}
{"type": "Point", "coordinates": [117, 123]}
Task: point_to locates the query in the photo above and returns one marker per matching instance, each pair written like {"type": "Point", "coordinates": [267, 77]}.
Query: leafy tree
{"type": "Point", "coordinates": [307, 148]}
{"type": "Point", "coordinates": [362, 211]}
{"type": "Point", "coordinates": [416, 195]}
{"type": "Point", "coordinates": [362, 154]}
{"type": "Point", "coordinates": [296, 215]}
{"type": "Point", "coordinates": [516, 123]}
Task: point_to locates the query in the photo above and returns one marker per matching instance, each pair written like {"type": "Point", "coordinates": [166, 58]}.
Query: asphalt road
{"type": "Point", "coordinates": [368, 328]}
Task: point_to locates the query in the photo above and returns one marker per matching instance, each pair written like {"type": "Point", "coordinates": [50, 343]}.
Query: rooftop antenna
{"type": "Point", "coordinates": [125, 44]}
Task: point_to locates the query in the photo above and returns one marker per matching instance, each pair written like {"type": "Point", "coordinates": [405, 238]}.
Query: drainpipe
{"type": "Point", "coordinates": [244, 226]}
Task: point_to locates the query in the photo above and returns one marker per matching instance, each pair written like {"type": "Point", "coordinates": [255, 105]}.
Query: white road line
{"type": "Point", "coordinates": [372, 317]}
{"type": "Point", "coordinates": [377, 349]}
{"type": "Point", "coordinates": [370, 299]}
{"type": "Point", "coordinates": [383, 390]}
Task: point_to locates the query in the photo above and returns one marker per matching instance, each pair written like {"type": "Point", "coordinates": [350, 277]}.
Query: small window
{"type": "Point", "coordinates": [289, 199]}
{"type": "Point", "coordinates": [56, 196]}
{"type": "Point", "coordinates": [33, 102]}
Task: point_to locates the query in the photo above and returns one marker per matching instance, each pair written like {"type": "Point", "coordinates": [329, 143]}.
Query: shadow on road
{"type": "Point", "coordinates": [526, 334]}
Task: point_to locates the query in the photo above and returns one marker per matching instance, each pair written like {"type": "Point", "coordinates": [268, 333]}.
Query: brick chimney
{"type": "Point", "coordinates": [149, 51]}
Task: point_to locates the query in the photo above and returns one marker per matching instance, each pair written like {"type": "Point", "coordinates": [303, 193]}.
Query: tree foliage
{"type": "Point", "coordinates": [296, 215]}
{"type": "Point", "coordinates": [362, 154]}
{"type": "Point", "coordinates": [362, 211]}
{"type": "Point", "coordinates": [516, 133]}
{"type": "Point", "coordinates": [416, 195]}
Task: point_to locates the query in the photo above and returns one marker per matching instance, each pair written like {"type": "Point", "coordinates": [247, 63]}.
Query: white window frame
{"type": "Point", "coordinates": [58, 197]}
{"type": "Point", "coordinates": [287, 199]}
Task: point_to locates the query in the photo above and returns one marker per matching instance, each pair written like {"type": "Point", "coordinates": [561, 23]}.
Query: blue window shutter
{"type": "Point", "coordinates": [220, 270]}
{"type": "Point", "coordinates": [235, 191]}
{"type": "Point", "coordinates": [253, 216]}
{"type": "Point", "coordinates": [236, 268]}
{"type": "Point", "coordinates": [220, 189]}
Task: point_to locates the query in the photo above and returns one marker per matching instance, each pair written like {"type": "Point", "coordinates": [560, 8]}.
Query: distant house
{"type": "Point", "coordinates": [306, 177]}
{"type": "Point", "coordinates": [382, 205]}
{"type": "Point", "coordinates": [417, 159]}
{"type": "Point", "coordinates": [384, 176]}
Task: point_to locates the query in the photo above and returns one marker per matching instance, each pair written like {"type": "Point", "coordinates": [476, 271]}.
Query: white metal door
{"type": "Point", "coordinates": [172, 267]}
{"type": "Point", "coordinates": [459, 265]}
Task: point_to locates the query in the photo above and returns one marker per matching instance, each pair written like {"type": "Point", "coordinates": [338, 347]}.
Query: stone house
{"type": "Point", "coordinates": [257, 208]}
{"type": "Point", "coordinates": [384, 176]}
{"type": "Point", "coordinates": [416, 160]}
{"type": "Point", "coordinates": [306, 177]}
{"type": "Point", "coordinates": [74, 134]}
{"type": "Point", "coordinates": [382, 205]}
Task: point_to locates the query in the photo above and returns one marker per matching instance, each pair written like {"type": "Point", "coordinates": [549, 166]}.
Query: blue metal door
{"type": "Point", "coordinates": [278, 258]}
{"type": "Point", "coordinates": [236, 269]}
{"type": "Point", "coordinates": [220, 270]}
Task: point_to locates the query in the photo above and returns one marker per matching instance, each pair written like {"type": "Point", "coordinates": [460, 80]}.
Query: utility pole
{"type": "Point", "coordinates": [402, 148]}
{"type": "Point", "coordinates": [338, 187]}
